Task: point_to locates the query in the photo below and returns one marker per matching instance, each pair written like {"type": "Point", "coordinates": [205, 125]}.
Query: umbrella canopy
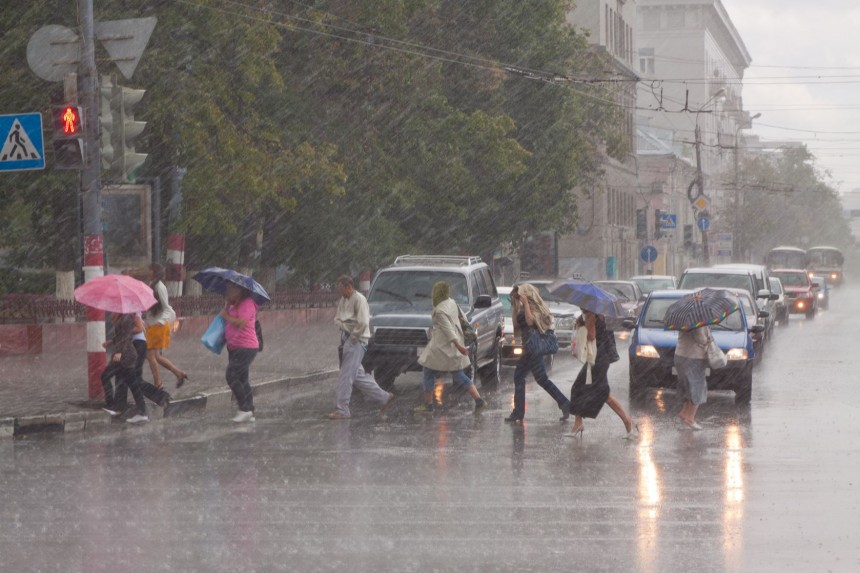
{"type": "Point", "coordinates": [701, 308]}
{"type": "Point", "coordinates": [215, 279]}
{"type": "Point", "coordinates": [587, 296]}
{"type": "Point", "coordinates": [116, 293]}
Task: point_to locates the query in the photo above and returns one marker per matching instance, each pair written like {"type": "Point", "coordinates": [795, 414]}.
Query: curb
{"type": "Point", "coordinates": [13, 427]}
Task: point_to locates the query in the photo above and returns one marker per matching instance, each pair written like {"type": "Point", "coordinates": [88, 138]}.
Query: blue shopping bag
{"type": "Point", "coordinates": [214, 338]}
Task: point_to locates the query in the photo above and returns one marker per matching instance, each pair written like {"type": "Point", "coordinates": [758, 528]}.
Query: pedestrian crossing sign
{"type": "Point", "coordinates": [22, 146]}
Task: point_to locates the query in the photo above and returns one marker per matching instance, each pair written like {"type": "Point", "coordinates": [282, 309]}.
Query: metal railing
{"type": "Point", "coordinates": [37, 309]}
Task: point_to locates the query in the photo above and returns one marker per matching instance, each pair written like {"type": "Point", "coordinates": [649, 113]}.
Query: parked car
{"type": "Point", "coordinates": [822, 291]}
{"type": "Point", "coordinates": [798, 291]}
{"type": "Point", "coordinates": [779, 307]}
{"type": "Point", "coordinates": [400, 307]}
{"type": "Point", "coordinates": [647, 283]}
{"type": "Point", "coordinates": [652, 350]}
{"type": "Point", "coordinates": [630, 296]}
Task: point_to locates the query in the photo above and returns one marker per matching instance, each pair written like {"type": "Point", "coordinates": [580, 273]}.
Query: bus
{"type": "Point", "coordinates": [826, 262]}
{"type": "Point", "coordinates": [786, 258]}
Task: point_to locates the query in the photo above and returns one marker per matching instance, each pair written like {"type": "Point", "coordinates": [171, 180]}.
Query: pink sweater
{"type": "Point", "coordinates": [245, 337]}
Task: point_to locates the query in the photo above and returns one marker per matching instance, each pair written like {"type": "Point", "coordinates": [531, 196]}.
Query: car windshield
{"type": "Point", "coordinates": [725, 280]}
{"type": "Point", "coordinates": [622, 290]}
{"type": "Point", "coordinates": [656, 310]}
{"type": "Point", "coordinates": [649, 284]}
{"type": "Point", "coordinates": [414, 288]}
{"type": "Point", "coordinates": [793, 279]}
{"type": "Point", "coordinates": [506, 303]}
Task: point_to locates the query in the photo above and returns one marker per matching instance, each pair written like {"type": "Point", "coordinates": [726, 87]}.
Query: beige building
{"type": "Point", "coordinates": [692, 60]}
{"type": "Point", "coordinates": [605, 245]}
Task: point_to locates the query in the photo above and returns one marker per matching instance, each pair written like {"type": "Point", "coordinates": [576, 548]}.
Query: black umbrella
{"type": "Point", "coordinates": [701, 308]}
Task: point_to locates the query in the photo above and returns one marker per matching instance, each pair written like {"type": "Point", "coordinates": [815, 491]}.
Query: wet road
{"type": "Point", "coordinates": [774, 487]}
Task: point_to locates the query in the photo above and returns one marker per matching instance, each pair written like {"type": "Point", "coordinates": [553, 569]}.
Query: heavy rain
{"type": "Point", "coordinates": [509, 285]}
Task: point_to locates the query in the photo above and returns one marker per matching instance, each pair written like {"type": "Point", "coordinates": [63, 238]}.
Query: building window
{"type": "Point", "coordinates": [646, 60]}
{"type": "Point", "coordinates": [676, 18]}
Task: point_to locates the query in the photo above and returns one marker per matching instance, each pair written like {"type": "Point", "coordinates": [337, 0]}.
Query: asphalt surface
{"type": "Point", "coordinates": [772, 487]}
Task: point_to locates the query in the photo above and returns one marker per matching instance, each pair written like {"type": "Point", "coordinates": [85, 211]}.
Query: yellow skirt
{"type": "Point", "coordinates": [158, 336]}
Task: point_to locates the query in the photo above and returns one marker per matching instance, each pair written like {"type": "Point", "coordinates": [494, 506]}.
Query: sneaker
{"type": "Point", "coordinates": [244, 416]}
{"type": "Point", "coordinates": [138, 419]}
{"type": "Point", "coordinates": [113, 413]}
{"type": "Point", "coordinates": [338, 416]}
{"type": "Point", "coordinates": [480, 405]}
{"type": "Point", "coordinates": [424, 409]}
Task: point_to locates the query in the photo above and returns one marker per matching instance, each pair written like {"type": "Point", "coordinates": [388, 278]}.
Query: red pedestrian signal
{"type": "Point", "coordinates": [68, 137]}
{"type": "Point", "coordinates": [67, 121]}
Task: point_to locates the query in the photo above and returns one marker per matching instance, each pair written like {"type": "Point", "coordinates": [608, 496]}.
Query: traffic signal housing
{"type": "Point", "coordinates": [641, 224]}
{"type": "Point", "coordinates": [119, 130]}
{"type": "Point", "coordinates": [658, 224]}
{"type": "Point", "coordinates": [68, 138]}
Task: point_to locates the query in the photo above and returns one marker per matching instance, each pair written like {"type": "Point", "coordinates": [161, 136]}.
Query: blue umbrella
{"type": "Point", "coordinates": [215, 279]}
{"type": "Point", "coordinates": [587, 296]}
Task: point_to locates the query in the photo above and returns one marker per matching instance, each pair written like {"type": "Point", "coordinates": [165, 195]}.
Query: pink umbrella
{"type": "Point", "coordinates": [116, 293]}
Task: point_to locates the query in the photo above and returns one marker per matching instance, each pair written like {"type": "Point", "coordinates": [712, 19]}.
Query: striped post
{"type": "Point", "coordinates": [96, 359]}
{"type": "Point", "coordinates": [174, 271]}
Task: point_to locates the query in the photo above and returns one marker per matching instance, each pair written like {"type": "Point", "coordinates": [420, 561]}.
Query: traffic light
{"type": "Point", "coordinates": [641, 224]}
{"type": "Point", "coordinates": [658, 228]}
{"type": "Point", "coordinates": [688, 235]}
{"type": "Point", "coordinates": [119, 130]}
{"type": "Point", "coordinates": [68, 136]}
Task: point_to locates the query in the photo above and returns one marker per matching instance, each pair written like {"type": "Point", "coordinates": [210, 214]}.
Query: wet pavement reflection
{"type": "Point", "coordinates": [769, 487]}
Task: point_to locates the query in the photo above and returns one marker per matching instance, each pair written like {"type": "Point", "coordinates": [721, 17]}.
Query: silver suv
{"type": "Point", "coordinates": [400, 307]}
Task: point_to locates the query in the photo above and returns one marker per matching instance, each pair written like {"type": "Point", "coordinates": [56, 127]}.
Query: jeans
{"type": "Point", "coordinates": [238, 376]}
{"type": "Point", "coordinates": [533, 363]}
{"type": "Point", "coordinates": [352, 374]}
{"type": "Point", "coordinates": [458, 377]}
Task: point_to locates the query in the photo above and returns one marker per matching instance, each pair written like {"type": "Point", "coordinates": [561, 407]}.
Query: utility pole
{"type": "Point", "coordinates": [700, 183]}
{"type": "Point", "coordinates": [93, 241]}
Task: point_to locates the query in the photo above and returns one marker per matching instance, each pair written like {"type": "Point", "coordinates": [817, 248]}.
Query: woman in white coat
{"type": "Point", "coordinates": [446, 352]}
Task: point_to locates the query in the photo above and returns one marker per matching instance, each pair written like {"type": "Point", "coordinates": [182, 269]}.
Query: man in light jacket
{"type": "Point", "coordinates": [446, 353]}
{"type": "Point", "coordinates": [353, 320]}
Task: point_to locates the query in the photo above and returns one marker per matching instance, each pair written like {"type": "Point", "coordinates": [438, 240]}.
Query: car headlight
{"type": "Point", "coordinates": [737, 354]}
{"type": "Point", "coordinates": [821, 296]}
{"type": "Point", "coordinates": [647, 351]}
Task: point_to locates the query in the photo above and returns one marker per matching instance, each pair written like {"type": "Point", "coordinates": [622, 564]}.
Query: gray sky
{"type": "Point", "coordinates": [805, 77]}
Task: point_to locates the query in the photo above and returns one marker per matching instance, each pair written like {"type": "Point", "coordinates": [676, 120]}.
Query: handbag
{"type": "Point", "coordinates": [716, 357]}
{"type": "Point", "coordinates": [470, 337]}
{"type": "Point", "coordinates": [542, 342]}
{"type": "Point", "coordinates": [214, 338]}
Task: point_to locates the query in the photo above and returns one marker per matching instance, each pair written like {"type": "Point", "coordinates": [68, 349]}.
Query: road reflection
{"type": "Point", "coordinates": [733, 504]}
{"type": "Point", "coordinates": [648, 501]}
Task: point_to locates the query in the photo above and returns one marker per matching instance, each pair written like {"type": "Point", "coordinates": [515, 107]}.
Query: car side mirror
{"type": "Point", "coordinates": [756, 328]}
{"type": "Point", "coordinates": [763, 314]}
{"type": "Point", "coordinates": [763, 293]}
{"type": "Point", "coordinates": [628, 323]}
{"type": "Point", "coordinates": [483, 301]}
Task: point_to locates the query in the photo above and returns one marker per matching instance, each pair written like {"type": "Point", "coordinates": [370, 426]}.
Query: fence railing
{"type": "Point", "coordinates": [33, 309]}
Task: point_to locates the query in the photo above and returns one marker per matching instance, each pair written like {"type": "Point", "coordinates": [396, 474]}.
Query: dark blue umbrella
{"type": "Point", "coordinates": [587, 296]}
{"type": "Point", "coordinates": [702, 308]}
{"type": "Point", "coordinates": [215, 279]}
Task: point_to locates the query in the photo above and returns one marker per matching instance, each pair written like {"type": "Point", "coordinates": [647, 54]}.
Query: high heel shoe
{"type": "Point", "coordinates": [514, 419]}
{"type": "Point", "coordinates": [182, 379]}
{"type": "Point", "coordinates": [573, 433]}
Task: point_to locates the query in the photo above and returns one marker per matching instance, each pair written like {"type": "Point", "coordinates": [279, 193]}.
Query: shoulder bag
{"type": "Point", "coordinates": [470, 337]}
{"type": "Point", "coordinates": [716, 357]}
{"type": "Point", "coordinates": [544, 342]}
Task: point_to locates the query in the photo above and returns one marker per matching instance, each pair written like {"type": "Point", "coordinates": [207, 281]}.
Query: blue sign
{"type": "Point", "coordinates": [648, 254]}
{"type": "Point", "coordinates": [22, 146]}
{"type": "Point", "coordinates": [668, 221]}
{"type": "Point", "coordinates": [703, 223]}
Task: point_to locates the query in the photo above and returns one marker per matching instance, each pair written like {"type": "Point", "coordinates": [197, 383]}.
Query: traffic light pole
{"type": "Point", "coordinates": [700, 183]}
{"type": "Point", "coordinates": [93, 242]}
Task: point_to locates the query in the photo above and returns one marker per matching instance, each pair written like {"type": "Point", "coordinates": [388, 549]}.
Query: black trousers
{"type": "Point", "coordinates": [238, 376]}
{"type": "Point", "coordinates": [150, 391]}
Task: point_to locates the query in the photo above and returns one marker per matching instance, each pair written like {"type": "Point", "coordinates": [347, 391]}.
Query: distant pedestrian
{"type": "Point", "coordinates": [530, 313]}
{"type": "Point", "coordinates": [240, 314]}
{"type": "Point", "coordinates": [446, 352]}
{"type": "Point", "coordinates": [123, 357]}
{"type": "Point", "coordinates": [159, 323]}
{"type": "Point", "coordinates": [691, 362]}
{"type": "Point", "coordinates": [353, 321]}
{"type": "Point", "coordinates": [590, 391]}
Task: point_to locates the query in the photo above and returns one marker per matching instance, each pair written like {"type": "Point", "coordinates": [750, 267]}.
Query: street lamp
{"type": "Point", "coordinates": [737, 243]}
{"type": "Point", "coordinates": [700, 183]}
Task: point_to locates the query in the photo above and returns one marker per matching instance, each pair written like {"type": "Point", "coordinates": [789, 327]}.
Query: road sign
{"type": "Point", "coordinates": [724, 252]}
{"type": "Point", "coordinates": [668, 221]}
{"type": "Point", "coordinates": [701, 203]}
{"type": "Point", "coordinates": [648, 253]}
{"type": "Point", "coordinates": [22, 147]}
{"type": "Point", "coordinates": [703, 223]}
{"type": "Point", "coordinates": [723, 238]}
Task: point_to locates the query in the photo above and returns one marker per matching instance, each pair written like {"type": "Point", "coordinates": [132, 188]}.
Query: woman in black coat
{"type": "Point", "coordinates": [587, 399]}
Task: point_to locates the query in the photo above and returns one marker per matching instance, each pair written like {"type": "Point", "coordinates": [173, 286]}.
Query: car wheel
{"type": "Point", "coordinates": [491, 374]}
{"type": "Point", "coordinates": [743, 388]}
{"type": "Point", "coordinates": [810, 314]}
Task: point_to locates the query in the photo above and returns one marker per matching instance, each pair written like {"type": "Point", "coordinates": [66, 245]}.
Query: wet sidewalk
{"type": "Point", "coordinates": [50, 389]}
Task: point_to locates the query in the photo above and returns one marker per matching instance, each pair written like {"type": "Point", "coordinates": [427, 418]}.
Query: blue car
{"type": "Point", "coordinates": [652, 350]}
